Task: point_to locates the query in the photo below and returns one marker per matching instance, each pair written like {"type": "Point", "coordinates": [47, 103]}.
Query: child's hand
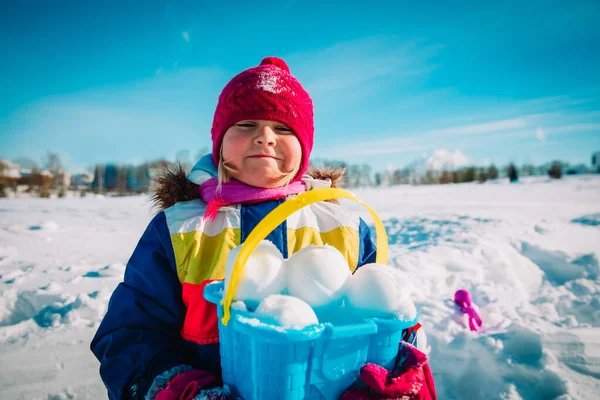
{"type": "Point", "coordinates": [213, 394]}
{"type": "Point", "coordinates": [193, 385]}
{"type": "Point", "coordinates": [412, 380]}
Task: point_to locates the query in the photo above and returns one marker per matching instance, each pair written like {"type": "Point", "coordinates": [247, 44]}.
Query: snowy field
{"type": "Point", "coordinates": [528, 253]}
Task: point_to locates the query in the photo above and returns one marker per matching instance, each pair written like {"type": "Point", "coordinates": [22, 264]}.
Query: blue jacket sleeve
{"type": "Point", "coordinates": [368, 251]}
{"type": "Point", "coordinates": [138, 339]}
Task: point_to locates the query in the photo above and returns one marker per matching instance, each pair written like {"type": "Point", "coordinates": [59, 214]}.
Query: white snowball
{"type": "Point", "coordinates": [422, 343]}
{"type": "Point", "coordinates": [239, 305]}
{"type": "Point", "coordinates": [263, 274]}
{"type": "Point", "coordinates": [286, 311]}
{"type": "Point", "coordinates": [376, 290]}
{"type": "Point", "coordinates": [317, 275]}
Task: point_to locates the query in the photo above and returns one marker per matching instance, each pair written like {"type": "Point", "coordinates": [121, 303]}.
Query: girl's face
{"type": "Point", "coordinates": [261, 152]}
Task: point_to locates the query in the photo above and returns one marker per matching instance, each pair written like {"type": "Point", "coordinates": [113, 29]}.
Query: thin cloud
{"type": "Point", "coordinates": [477, 129]}
{"type": "Point", "coordinates": [551, 108]}
{"type": "Point", "coordinates": [540, 134]}
{"type": "Point", "coordinates": [554, 102]}
{"type": "Point", "coordinates": [575, 128]}
{"type": "Point", "coordinates": [466, 136]}
{"type": "Point", "coordinates": [387, 145]}
{"type": "Point", "coordinates": [186, 36]}
{"type": "Point", "coordinates": [350, 64]}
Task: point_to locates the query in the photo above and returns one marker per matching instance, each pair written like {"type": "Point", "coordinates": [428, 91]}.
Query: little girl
{"type": "Point", "coordinates": [159, 338]}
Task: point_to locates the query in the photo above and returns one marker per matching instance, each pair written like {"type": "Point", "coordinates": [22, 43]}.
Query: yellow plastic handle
{"type": "Point", "coordinates": [280, 214]}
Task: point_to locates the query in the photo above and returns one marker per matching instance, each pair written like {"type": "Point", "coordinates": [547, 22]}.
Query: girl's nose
{"type": "Point", "coordinates": [265, 136]}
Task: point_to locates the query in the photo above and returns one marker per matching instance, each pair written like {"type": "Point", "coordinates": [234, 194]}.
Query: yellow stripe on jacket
{"type": "Point", "coordinates": [201, 248]}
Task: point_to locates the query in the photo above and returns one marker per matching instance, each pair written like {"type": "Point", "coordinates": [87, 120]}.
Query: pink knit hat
{"type": "Point", "coordinates": [267, 92]}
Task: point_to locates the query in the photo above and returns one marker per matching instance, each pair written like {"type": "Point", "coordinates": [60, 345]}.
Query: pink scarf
{"type": "Point", "coordinates": [236, 192]}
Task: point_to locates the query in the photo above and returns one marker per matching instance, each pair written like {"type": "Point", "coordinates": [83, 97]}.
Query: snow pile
{"type": "Point", "coordinates": [286, 311]}
{"type": "Point", "coordinates": [263, 274]}
{"type": "Point", "coordinates": [440, 160]}
{"type": "Point", "coordinates": [60, 260]}
{"type": "Point", "coordinates": [528, 253]}
{"type": "Point", "coordinates": [317, 275]}
{"type": "Point", "coordinates": [376, 290]}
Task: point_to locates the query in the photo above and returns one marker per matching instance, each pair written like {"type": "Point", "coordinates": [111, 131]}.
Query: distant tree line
{"type": "Point", "coordinates": [360, 175]}
{"type": "Point", "coordinates": [124, 179]}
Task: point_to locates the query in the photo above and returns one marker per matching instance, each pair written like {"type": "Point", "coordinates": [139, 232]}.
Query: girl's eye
{"type": "Point", "coordinates": [245, 125]}
{"type": "Point", "coordinates": [284, 129]}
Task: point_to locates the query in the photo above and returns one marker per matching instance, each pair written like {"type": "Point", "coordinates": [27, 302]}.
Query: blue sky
{"type": "Point", "coordinates": [132, 81]}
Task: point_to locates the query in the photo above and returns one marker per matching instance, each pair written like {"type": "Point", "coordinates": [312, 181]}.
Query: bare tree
{"type": "Point", "coordinates": [183, 157]}
{"type": "Point", "coordinates": [26, 162]}
{"type": "Point", "coordinates": [397, 177]}
{"type": "Point", "coordinates": [492, 172]}
{"type": "Point", "coordinates": [528, 170]}
{"type": "Point", "coordinates": [555, 171]}
{"type": "Point", "coordinates": [513, 174]}
{"type": "Point", "coordinates": [52, 162]}
{"type": "Point", "coordinates": [378, 179]}
{"type": "Point", "coordinates": [482, 175]}
{"type": "Point", "coordinates": [354, 172]}
{"type": "Point", "coordinates": [201, 153]}
{"type": "Point", "coordinates": [365, 175]}
{"type": "Point", "coordinates": [470, 174]}
{"type": "Point", "coordinates": [445, 177]}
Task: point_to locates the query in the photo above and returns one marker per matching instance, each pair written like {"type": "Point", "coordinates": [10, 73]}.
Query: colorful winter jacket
{"type": "Point", "coordinates": [157, 318]}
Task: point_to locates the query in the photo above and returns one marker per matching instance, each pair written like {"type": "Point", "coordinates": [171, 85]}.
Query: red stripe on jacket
{"type": "Point", "coordinates": [201, 325]}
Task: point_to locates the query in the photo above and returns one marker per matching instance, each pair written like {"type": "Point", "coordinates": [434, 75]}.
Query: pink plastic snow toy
{"type": "Point", "coordinates": [462, 298]}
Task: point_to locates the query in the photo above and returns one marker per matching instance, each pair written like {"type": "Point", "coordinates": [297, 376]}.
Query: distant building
{"type": "Point", "coordinates": [126, 178]}
{"type": "Point", "coordinates": [9, 173]}
{"type": "Point", "coordinates": [138, 178]}
{"type": "Point", "coordinates": [105, 177]}
{"type": "Point", "coordinates": [36, 178]}
{"type": "Point", "coordinates": [62, 179]}
{"type": "Point", "coordinates": [110, 177]}
{"type": "Point", "coordinates": [81, 181]}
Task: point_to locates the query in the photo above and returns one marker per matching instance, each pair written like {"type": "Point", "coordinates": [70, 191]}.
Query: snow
{"type": "Point", "coordinates": [263, 274]}
{"type": "Point", "coordinates": [269, 82]}
{"type": "Point", "coordinates": [377, 290]}
{"type": "Point", "coordinates": [286, 311]}
{"type": "Point", "coordinates": [318, 280]}
{"type": "Point", "coordinates": [317, 275]}
{"type": "Point", "coordinates": [439, 160]}
{"type": "Point", "coordinates": [528, 253]}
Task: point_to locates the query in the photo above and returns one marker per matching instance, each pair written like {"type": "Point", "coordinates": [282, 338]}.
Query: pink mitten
{"type": "Point", "coordinates": [187, 385]}
{"type": "Point", "coordinates": [412, 380]}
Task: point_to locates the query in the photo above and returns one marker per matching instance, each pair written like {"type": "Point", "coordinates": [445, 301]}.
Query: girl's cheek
{"type": "Point", "coordinates": [236, 146]}
{"type": "Point", "coordinates": [295, 149]}
{"type": "Point", "coordinates": [293, 153]}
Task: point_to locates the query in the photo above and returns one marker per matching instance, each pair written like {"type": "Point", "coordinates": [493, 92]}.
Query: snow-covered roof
{"type": "Point", "coordinates": [9, 169]}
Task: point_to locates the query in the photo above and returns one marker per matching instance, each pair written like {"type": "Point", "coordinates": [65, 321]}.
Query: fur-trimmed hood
{"type": "Point", "coordinates": [171, 184]}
